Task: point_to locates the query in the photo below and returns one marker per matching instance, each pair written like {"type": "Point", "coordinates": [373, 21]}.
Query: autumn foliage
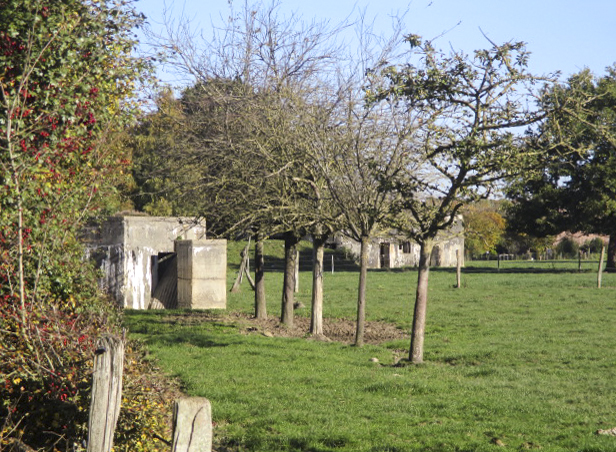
{"type": "Point", "coordinates": [67, 88]}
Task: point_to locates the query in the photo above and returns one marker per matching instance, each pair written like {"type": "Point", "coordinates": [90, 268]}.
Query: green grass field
{"type": "Point", "coordinates": [517, 359]}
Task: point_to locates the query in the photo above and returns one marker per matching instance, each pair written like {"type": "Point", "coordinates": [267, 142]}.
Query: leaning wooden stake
{"type": "Point", "coordinates": [106, 393]}
{"type": "Point", "coordinates": [192, 425]}
{"type": "Point", "coordinates": [600, 267]}
{"type": "Point", "coordinates": [244, 269]}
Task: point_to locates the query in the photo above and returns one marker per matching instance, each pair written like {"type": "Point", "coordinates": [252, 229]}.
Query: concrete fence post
{"type": "Point", "coordinates": [106, 393]}
{"type": "Point", "coordinates": [192, 425]}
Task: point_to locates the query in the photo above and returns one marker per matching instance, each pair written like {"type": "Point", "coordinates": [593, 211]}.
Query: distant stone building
{"type": "Point", "coordinates": [392, 250]}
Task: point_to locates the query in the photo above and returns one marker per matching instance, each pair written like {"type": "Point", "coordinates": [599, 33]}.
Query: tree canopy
{"type": "Point", "coordinates": [575, 189]}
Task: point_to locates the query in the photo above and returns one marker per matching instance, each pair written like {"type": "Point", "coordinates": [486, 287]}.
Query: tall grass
{"type": "Point", "coordinates": [517, 359]}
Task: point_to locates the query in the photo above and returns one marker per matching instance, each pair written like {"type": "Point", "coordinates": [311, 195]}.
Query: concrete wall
{"type": "Point", "coordinates": [126, 249]}
{"type": "Point", "coordinates": [202, 274]}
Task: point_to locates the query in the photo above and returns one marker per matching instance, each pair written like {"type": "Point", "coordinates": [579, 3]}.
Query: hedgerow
{"type": "Point", "coordinates": [67, 91]}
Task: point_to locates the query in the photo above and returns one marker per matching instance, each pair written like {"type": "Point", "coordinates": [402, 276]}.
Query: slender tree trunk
{"type": "Point", "coordinates": [361, 292]}
{"type": "Point", "coordinates": [290, 255]}
{"type": "Point", "coordinates": [318, 251]}
{"type": "Point", "coordinates": [260, 303]}
{"type": "Point", "coordinates": [421, 304]}
{"type": "Point", "coordinates": [611, 254]}
{"type": "Point", "coordinates": [20, 227]}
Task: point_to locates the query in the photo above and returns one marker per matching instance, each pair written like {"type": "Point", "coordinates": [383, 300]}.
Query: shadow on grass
{"type": "Point", "coordinates": [510, 269]}
{"type": "Point", "coordinates": [187, 338]}
{"type": "Point", "coordinates": [166, 328]}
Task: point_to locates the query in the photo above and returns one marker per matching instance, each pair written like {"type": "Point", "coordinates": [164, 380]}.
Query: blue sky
{"type": "Point", "coordinates": [565, 35]}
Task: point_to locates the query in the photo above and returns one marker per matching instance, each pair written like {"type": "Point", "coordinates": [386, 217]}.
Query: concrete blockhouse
{"type": "Point", "coordinates": [138, 259]}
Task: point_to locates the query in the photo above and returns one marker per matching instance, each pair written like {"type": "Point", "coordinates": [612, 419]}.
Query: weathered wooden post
{"type": "Point", "coordinates": [458, 269]}
{"type": "Point", "coordinates": [600, 267]}
{"type": "Point", "coordinates": [579, 260]}
{"type": "Point", "coordinates": [296, 288]}
{"type": "Point", "coordinates": [192, 425]}
{"type": "Point", "coordinates": [106, 393]}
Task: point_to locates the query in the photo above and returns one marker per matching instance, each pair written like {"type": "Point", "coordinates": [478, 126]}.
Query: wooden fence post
{"type": "Point", "coordinates": [296, 288]}
{"type": "Point", "coordinates": [600, 267]}
{"type": "Point", "coordinates": [192, 425]}
{"type": "Point", "coordinates": [106, 393]}
{"type": "Point", "coordinates": [458, 269]}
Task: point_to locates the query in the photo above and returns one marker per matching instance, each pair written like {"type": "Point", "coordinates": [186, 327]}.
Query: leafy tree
{"type": "Point", "coordinates": [67, 79]}
{"type": "Point", "coordinates": [484, 228]}
{"type": "Point", "coordinates": [354, 142]}
{"type": "Point", "coordinates": [365, 144]}
{"type": "Point", "coordinates": [575, 191]}
{"type": "Point", "coordinates": [467, 110]}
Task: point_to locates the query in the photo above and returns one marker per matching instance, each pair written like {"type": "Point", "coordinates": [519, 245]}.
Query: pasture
{"type": "Point", "coordinates": [517, 359]}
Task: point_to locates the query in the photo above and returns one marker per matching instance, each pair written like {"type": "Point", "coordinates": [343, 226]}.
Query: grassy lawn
{"type": "Point", "coordinates": [521, 358]}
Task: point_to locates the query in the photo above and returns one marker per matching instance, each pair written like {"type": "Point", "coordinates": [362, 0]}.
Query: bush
{"type": "Point", "coordinates": [567, 248]}
{"type": "Point", "coordinates": [47, 366]}
{"type": "Point", "coordinates": [47, 381]}
{"type": "Point", "coordinates": [594, 245]}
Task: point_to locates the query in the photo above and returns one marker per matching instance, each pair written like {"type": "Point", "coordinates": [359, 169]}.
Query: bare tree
{"type": "Point", "coordinates": [254, 165]}
{"type": "Point", "coordinates": [362, 144]}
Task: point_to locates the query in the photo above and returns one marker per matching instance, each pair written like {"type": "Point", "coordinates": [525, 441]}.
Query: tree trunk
{"type": "Point", "coordinates": [288, 289]}
{"type": "Point", "coordinates": [260, 303]}
{"type": "Point", "coordinates": [611, 254]}
{"type": "Point", "coordinates": [318, 251]}
{"type": "Point", "coordinates": [20, 229]}
{"type": "Point", "coordinates": [421, 304]}
{"type": "Point", "coordinates": [458, 269]}
{"type": "Point", "coordinates": [296, 274]}
{"type": "Point", "coordinates": [361, 292]}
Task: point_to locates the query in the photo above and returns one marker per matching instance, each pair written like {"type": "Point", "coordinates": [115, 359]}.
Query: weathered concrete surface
{"type": "Point", "coordinates": [202, 274]}
{"type": "Point", "coordinates": [126, 248]}
{"type": "Point", "coordinates": [192, 431]}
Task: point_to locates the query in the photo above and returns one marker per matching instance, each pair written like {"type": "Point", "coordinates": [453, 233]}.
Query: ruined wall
{"type": "Point", "coordinates": [126, 249]}
{"type": "Point", "coordinates": [390, 250]}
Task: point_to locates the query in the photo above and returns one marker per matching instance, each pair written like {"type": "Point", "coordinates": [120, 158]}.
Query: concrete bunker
{"type": "Point", "coordinates": [159, 262]}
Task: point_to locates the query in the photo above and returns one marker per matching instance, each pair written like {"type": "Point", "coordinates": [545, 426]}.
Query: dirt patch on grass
{"type": "Point", "coordinates": [338, 330]}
